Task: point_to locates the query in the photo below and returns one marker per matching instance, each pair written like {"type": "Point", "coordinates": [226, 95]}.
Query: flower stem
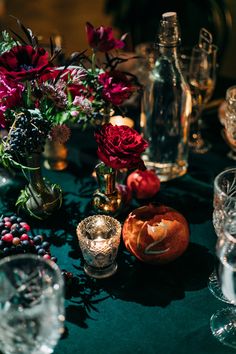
{"type": "Point", "coordinates": [93, 62]}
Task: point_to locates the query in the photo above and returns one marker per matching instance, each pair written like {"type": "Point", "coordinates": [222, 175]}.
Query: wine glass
{"type": "Point", "coordinates": [201, 79]}
{"type": "Point", "coordinates": [31, 305]}
{"type": "Point", "coordinates": [223, 322]}
{"type": "Point", "coordinates": [229, 131]}
{"type": "Point", "coordinates": [224, 206]}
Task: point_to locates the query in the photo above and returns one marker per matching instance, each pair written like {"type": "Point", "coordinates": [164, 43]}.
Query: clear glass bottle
{"type": "Point", "coordinates": [166, 106]}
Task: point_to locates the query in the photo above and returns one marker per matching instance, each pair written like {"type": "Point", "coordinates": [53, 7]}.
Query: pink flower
{"type": "Point", "coordinates": [83, 103]}
{"type": "Point", "coordinates": [10, 96]}
{"type": "Point", "coordinates": [101, 39]}
{"type": "Point", "coordinates": [116, 87]}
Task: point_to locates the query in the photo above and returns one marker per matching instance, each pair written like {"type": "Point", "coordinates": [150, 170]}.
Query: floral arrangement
{"type": "Point", "coordinates": [39, 100]}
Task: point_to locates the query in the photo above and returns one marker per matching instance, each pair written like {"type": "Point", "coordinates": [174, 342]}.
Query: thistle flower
{"type": "Point", "coordinates": [60, 133]}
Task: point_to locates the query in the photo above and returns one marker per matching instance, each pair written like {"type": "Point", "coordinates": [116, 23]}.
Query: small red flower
{"type": "Point", "coordinates": [10, 96]}
{"type": "Point", "coordinates": [120, 146]}
{"type": "Point", "coordinates": [116, 87]}
{"type": "Point", "coordinates": [101, 39]}
{"type": "Point", "coordinates": [24, 62]}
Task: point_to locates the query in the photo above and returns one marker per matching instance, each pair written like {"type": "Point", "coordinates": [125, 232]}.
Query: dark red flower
{"type": "Point", "coordinates": [24, 62]}
{"type": "Point", "coordinates": [120, 146]}
{"type": "Point", "coordinates": [10, 96]}
{"type": "Point", "coordinates": [116, 87]}
{"type": "Point", "coordinates": [101, 38]}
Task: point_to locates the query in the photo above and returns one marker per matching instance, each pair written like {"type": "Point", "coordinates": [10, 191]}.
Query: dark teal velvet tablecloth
{"type": "Point", "coordinates": [141, 309]}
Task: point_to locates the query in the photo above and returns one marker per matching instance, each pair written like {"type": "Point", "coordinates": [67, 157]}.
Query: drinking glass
{"type": "Point", "coordinates": [201, 77]}
{"type": "Point", "coordinates": [229, 131]}
{"type": "Point", "coordinates": [31, 305]}
{"type": "Point", "coordinates": [224, 206]}
{"type": "Point", "coordinates": [223, 322]}
{"type": "Point", "coordinates": [99, 239]}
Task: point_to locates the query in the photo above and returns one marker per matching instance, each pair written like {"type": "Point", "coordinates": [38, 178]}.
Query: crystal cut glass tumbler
{"type": "Point", "coordinates": [31, 305]}
{"type": "Point", "coordinates": [99, 239]}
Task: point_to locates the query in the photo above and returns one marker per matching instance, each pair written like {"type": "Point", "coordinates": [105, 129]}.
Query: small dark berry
{"type": "Point", "coordinates": [41, 252]}
{"type": "Point", "coordinates": [22, 230]}
{"type": "Point", "coordinates": [4, 232]}
{"type": "Point", "coordinates": [25, 244]}
{"type": "Point", "coordinates": [54, 259]}
{"type": "Point", "coordinates": [19, 219]}
{"type": "Point", "coordinates": [37, 239]}
{"type": "Point", "coordinates": [13, 218]}
{"type": "Point", "coordinates": [15, 232]}
{"type": "Point", "coordinates": [45, 245]}
{"type": "Point", "coordinates": [6, 250]}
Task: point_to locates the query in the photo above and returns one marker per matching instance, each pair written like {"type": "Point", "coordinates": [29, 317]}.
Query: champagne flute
{"type": "Point", "coordinates": [223, 322]}
{"type": "Point", "coordinates": [201, 79]}
{"type": "Point", "coordinates": [31, 305]}
{"type": "Point", "coordinates": [229, 131]}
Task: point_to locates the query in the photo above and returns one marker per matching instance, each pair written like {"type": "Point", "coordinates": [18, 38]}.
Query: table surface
{"type": "Point", "coordinates": [142, 308]}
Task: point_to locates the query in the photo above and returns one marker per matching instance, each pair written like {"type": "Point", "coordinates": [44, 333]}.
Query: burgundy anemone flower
{"type": "Point", "coordinates": [24, 62]}
{"type": "Point", "coordinates": [116, 87]}
{"type": "Point", "coordinates": [102, 39]}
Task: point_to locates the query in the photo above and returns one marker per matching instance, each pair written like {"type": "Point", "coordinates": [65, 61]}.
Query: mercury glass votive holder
{"type": "Point", "coordinates": [99, 239]}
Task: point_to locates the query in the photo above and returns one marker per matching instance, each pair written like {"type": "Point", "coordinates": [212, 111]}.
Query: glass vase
{"type": "Point", "coordinates": [107, 199]}
{"type": "Point", "coordinates": [40, 198]}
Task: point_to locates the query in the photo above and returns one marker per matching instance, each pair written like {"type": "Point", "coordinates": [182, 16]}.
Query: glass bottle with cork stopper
{"type": "Point", "coordinates": [166, 106]}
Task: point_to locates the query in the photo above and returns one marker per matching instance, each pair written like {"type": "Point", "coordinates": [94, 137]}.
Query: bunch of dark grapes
{"type": "Point", "coordinates": [15, 238]}
{"type": "Point", "coordinates": [28, 134]}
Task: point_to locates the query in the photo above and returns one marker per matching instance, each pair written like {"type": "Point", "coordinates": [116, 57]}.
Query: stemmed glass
{"type": "Point", "coordinates": [229, 131]}
{"type": "Point", "coordinates": [201, 79]}
{"type": "Point", "coordinates": [31, 305]}
{"type": "Point", "coordinates": [223, 322]}
{"type": "Point", "coordinates": [224, 206]}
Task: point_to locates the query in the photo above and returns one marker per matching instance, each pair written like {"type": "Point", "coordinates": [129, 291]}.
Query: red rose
{"type": "Point", "coordinates": [120, 146]}
{"type": "Point", "coordinates": [101, 38]}
{"type": "Point", "coordinates": [10, 96]}
{"type": "Point", "coordinates": [24, 62]}
{"type": "Point", "coordinates": [116, 87]}
{"type": "Point", "coordinates": [144, 184]}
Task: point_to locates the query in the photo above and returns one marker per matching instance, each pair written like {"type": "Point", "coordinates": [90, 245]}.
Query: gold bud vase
{"type": "Point", "coordinates": [107, 199]}
{"type": "Point", "coordinates": [55, 156]}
